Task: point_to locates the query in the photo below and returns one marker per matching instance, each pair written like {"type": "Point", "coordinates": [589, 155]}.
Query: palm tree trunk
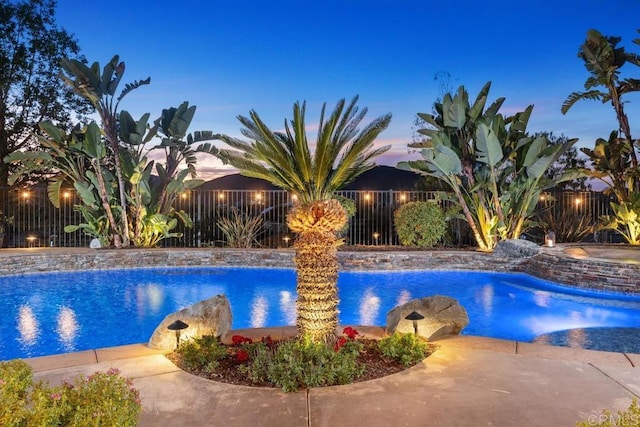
{"type": "Point", "coordinates": [317, 270]}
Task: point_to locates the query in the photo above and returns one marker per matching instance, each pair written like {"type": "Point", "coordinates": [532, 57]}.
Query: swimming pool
{"type": "Point", "coordinates": [54, 313]}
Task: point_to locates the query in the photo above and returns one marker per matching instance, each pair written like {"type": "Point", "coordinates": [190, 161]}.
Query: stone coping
{"type": "Point", "coordinates": [603, 267]}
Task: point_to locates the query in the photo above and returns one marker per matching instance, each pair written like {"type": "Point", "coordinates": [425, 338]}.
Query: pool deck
{"type": "Point", "coordinates": [625, 254]}
{"type": "Point", "coordinates": [468, 381]}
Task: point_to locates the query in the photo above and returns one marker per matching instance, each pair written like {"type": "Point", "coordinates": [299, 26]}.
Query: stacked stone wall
{"type": "Point", "coordinates": [584, 273]}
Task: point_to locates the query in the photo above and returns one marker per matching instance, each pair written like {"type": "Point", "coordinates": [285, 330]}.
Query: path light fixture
{"type": "Point", "coordinates": [414, 316]}
{"type": "Point", "coordinates": [31, 240]}
{"type": "Point", "coordinates": [550, 239]}
{"type": "Point", "coordinates": [177, 326]}
{"type": "Point", "coordinates": [286, 240]}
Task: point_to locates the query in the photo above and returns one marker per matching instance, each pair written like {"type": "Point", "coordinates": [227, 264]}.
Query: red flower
{"type": "Point", "coordinates": [242, 356]}
{"type": "Point", "coordinates": [350, 332]}
{"type": "Point", "coordinates": [268, 341]}
{"type": "Point", "coordinates": [239, 339]}
{"type": "Point", "coordinates": [340, 342]}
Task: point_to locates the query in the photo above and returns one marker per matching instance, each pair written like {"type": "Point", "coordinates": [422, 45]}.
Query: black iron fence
{"type": "Point", "coordinates": [29, 219]}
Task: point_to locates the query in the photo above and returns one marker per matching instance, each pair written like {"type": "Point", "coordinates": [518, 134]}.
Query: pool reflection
{"type": "Point", "coordinates": [67, 328]}
{"type": "Point", "coordinates": [589, 318]}
{"type": "Point", "coordinates": [155, 295]}
{"type": "Point", "coordinates": [259, 311]}
{"type": "Point", "coordinates": [403, 297]}
{"type": "Point", "coordinates": [288, 307]}
{"type": "Point", "coordinates": [369, 307]}
{"type": "Point", "coordinates": [486, 299]}
{"type": "Point", "coordinates": [28, 326]}
{"type": "Point", "coordinates": [541, 298]}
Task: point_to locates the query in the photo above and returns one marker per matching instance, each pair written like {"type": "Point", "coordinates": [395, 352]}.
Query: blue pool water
{"type": "Point", "coordinates": [45, 314]}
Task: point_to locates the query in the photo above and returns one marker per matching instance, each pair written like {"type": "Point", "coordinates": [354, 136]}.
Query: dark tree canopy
{"type": "Point", "coordinates": [31, 46]}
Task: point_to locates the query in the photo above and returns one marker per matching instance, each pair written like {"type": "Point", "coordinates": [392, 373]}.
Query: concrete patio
{"type": "Point", "coordinates": [468, 381]}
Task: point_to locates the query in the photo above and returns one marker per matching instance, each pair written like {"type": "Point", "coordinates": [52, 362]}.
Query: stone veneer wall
{"type": "Point", "coordinates": [550, 265]}
{"type": "Point", "coordinates": [24, 262]}
{"type": "Point", "coordinates": [585, 273]}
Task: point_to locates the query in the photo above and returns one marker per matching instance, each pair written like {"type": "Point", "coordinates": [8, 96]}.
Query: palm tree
{"type": "Point", "coordinates": [342, 152]}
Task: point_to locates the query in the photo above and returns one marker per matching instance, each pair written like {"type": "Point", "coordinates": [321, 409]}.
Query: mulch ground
{"type": "Point", "coordinates": [376, 366]}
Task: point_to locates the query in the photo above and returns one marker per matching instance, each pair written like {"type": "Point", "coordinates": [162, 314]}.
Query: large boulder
{"type": "Point", "coordinates": [208, 317]}
{"type": "Point", "coordinates": [442, 316]}
{"type": "Point", "coordinates": [516, 248]}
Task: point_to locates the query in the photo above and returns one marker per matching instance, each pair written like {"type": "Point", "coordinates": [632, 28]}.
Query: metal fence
{"type": "Point", "coordinates": [35, 222]}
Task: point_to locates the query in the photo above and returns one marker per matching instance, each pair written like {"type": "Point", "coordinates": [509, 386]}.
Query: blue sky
{"type": "Point", "coordinates": [228, 57]}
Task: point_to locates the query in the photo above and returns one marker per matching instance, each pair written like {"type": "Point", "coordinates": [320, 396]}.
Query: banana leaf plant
{"type": "Point", "coordinates": [122, 201]}
{"type": "Point", "coordinates": [151, 198]}
{"type": "Point", "coordinates": [76, 158]}
{"type": "Point", "coordinates": [494, 169]}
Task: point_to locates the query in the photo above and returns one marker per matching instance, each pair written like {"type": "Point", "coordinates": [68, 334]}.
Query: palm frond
{"type": "Point", "coordinates": [284, 158]}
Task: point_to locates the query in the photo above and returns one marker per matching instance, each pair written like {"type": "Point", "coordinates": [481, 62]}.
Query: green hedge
{"type": "Point", "coordinates": [420, 224]}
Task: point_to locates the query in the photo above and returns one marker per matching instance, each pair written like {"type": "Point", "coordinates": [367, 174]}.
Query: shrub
{"type": "Point", "coordinates": [202, 354]}
{"type": "Point", "coordinates": [569, 224]}
{"type": "Point", "coordinates": [293, 364]}
{"type": "Point", "coordinates": [420, 224]}
{"type": "Point", "coordinates": [241, 230]}
{"type": "Point", "coordinates": [407, 349]}
{"type": "Point", "coordinates": [628, 418]}
{"type": "Point", "coordinates": [104, 398]}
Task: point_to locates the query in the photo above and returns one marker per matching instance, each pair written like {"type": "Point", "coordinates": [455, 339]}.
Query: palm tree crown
{"type": "Point", "coordinates": [342, 151]}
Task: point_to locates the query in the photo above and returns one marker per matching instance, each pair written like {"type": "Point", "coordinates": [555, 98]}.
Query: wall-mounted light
{"type": "Point", "coordinates": [220, 196]}
{"type": "Point", "coordinates": [177, 326]}
{"type": "Point", "coordinates": [367, 197]}
{"type": "Point", "coordinates": [403, 197]}
{"type": "Point", "coordinates": [184, 195]}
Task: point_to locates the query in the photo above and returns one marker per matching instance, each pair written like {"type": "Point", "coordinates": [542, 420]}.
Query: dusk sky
{"type": "Point", "coordinates": [228, 57]}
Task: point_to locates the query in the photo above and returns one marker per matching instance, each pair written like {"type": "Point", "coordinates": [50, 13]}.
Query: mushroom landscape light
{"type": "Point", "coordinates": [177, 326]}
{"type": "Point", "coordinates": [414, 316]}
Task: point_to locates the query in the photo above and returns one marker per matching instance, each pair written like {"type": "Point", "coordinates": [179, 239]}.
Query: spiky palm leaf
{"type": "Point", "coordinates": [284, 158]}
